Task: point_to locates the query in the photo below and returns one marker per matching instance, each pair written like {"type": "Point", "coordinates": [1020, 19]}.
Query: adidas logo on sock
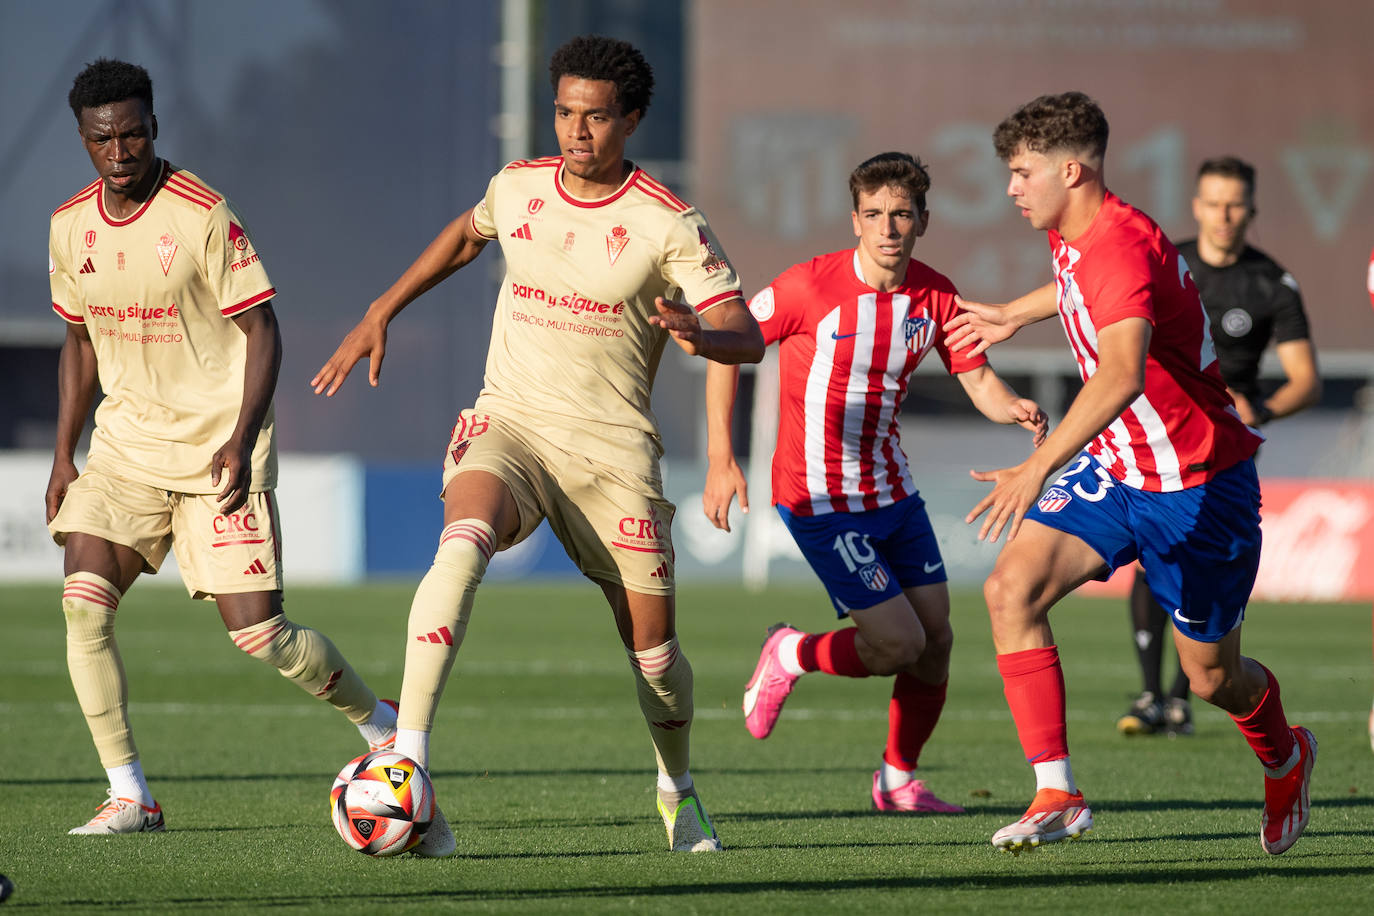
{"type": "Point", "coordinates": [329, 684]}
{"type": "Point", "coordinates": [87, 268]}
{"type": "Point", "coordinates": [257, 569]}
{"type": "Point", "coordinates": [441, 635]}
{"type": "Point", "coordinates": [661, 572]}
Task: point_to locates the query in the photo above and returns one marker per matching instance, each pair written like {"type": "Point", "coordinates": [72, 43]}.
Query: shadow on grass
{"type": "Point", "coordinates": [551, 773]}
{"type": "Point", "coordinates": [1016, 881]}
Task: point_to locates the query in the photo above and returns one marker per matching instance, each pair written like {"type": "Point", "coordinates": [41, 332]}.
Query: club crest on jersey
{"type": "Point", "coordinates": [90, 238]}
{"type": "Point", "coordinates": [166, 250]}
{"type": "Point", "coordinates": [918, 332]}
{"type": "Point", "coordinates": [874, 577]}
{"type": "Point", "coordinates": [616, 242]}
{"type": "Point", "coordinates": [1053, 500]}
{"type": "Point", "coordinates": [534, 206]}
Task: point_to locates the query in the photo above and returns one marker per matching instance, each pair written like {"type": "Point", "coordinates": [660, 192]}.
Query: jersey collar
{"type": "Point", "coordinates": [600, 201]}
{"type": "Point", "coordinates": [113, 221]}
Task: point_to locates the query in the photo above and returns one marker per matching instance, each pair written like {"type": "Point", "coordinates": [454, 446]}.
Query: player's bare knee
{"type": "Point", "coordinates": [939, 645]}
{"type": "Point", "coordinates": [1208, 684]}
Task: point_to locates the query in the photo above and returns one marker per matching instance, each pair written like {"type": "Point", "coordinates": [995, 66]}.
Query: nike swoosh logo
{"type": "Point", "coordinates": [751, 696]}
{"type": "Point", "coordinates": [834, 336]}
{"type": "Point", "coordinates": [1178, 615]}
{"type": "Point", "coordinates": [931, 567]}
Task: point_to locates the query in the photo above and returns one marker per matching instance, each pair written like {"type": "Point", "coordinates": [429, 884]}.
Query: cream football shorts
{"type": "Point", "coordinates": [615, 525]}
{"type": "Point", "coordinates": [218, 554]}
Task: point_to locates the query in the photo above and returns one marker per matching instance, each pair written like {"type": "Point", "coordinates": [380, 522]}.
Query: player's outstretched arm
{"type": "Point", "coordinates": [76, 387]}
{"type": "Point", "coordinates": [1119, 380]}
{"type": "Point", "coordinates": [996, 400]}
{"type": "Point", "coordinates": [724, 479]}
{"type": "Point", "coordinates": [732, 337]}
{"type": "Point", "coordinates": [979, 325]}
{"type": "Point", "coordinates": [454, 247]}
{"type": "Point", "coordinates": [231, 467]}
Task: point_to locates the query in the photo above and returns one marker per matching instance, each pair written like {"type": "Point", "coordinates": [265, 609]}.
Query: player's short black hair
{"type": "Point", "coordinates": [596, 57]}
{"type": "Point", "coordinates": [900, 170]}
{"type": "Point", "coordinates": [1230, 167]}
{"type": "Point", "coordinates": [106, 81]}
{"type": "Point", "coordinates": [1069, 121]}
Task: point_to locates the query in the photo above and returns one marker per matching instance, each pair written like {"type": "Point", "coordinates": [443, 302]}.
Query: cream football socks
{"type": "Point", "coordinates": [308, 658]}
{"type": "Point", "coordinates": [663, 681]}
{"type": "Point", "coordinates": [438, 621]}
{"type": "Point", "coordinates": [97, 671]}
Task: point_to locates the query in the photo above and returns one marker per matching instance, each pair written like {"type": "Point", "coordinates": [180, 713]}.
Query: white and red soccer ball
{"type": "Point", "coordinates": [382, 803]}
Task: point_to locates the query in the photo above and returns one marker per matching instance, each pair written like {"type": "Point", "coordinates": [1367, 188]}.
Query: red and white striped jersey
{"type": "Point", "coordinates": [846, 354]}
{"type": "Point", "coordinates": [1183, 429]}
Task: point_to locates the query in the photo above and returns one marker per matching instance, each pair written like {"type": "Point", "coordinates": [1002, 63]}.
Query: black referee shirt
{"type": "Point", "coordinates": [1249, 303]}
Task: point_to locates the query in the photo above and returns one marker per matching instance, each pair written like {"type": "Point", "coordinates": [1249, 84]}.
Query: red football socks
{"type": "Point", "coordinates": [1033, 682]}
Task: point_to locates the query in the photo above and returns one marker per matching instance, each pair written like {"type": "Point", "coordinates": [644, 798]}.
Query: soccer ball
{"type": "Point", "coordinates": [382, 803]}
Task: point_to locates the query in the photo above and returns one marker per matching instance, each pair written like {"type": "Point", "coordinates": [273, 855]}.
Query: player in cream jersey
{"type": "Point", "coordinates": [168, 310]}
{"type": "Point", "coordinates": [572, 350]}
{"type": "Point", "coordinates": [152, 291]}
{"type": "Point", "coordinates": [599, 259]}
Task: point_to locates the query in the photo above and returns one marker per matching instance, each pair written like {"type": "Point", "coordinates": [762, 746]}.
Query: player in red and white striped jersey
{"type": "Point", "coordinates": [852, 326]}
{"type": "Point", "coordinates": [1164, 473]}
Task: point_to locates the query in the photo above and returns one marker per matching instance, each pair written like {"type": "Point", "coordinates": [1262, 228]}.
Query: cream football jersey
{"type": "Point", "coordinates": [157, 292]}
{"type": "Point", "coordinates": [573, 356]}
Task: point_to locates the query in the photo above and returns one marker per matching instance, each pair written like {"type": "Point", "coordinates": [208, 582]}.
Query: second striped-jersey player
{"type": "Point", "coordinates": [1183, 429]}
{"type": "Point", "coordinates": [846, 354]}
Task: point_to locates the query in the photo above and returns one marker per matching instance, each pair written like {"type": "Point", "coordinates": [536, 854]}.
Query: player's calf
{"type": "Point", "coordinates": [307, 658]}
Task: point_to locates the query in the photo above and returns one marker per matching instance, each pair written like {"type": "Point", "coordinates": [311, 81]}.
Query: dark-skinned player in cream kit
{"type": "Point", "coordinates": [169, 312]}
{"type": "Point", "coordinates": [600, 259]}
{"type": "Point", "coordinates": [1160, 469]}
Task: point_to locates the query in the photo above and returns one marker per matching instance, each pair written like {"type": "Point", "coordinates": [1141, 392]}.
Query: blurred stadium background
{"type": "Point", "coordinates": [349, 131]}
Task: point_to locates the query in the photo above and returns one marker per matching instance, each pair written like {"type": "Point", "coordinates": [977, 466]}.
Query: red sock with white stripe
{"type": "Point", "coordinates": [438, 621]}
{"type": "Point", "coordinates": [832, 653]}
{"type": "Point", "coordinates": [308, 659]}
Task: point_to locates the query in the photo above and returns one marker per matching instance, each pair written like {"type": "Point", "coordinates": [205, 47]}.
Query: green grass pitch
{"type": "Point", "coordinates": [544, 768]}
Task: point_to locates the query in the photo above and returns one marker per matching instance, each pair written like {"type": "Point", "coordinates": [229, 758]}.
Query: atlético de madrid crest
{"type": "Point", "coordinates": [918, 332]}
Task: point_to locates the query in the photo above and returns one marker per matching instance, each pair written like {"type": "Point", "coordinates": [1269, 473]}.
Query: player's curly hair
{"type": "Point", "coordinates": [901, 170]}
{"type": "Point", "coordinates": [1230, 167]}
{"type": "Point", "coordinates": [1069, 121]}
{"type": "Point", "coordinates": [106, 81]}
{"type": "Point", "coordinates": [596, 57]}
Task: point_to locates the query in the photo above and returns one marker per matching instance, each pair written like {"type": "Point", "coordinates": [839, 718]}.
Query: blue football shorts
{"type": "Point", "coordinates": [865, 558]}
{"type": "Point", "coordinates": [1200, 547]}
